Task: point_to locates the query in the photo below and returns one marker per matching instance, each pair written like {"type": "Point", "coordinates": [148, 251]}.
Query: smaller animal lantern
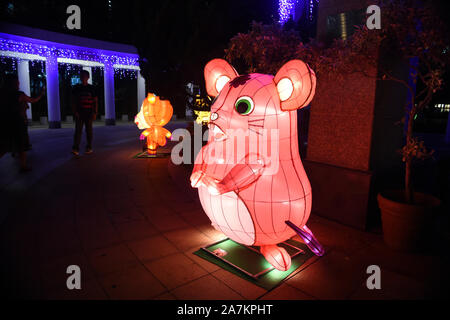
{"type": "Point", "coordinates": [154, 114]}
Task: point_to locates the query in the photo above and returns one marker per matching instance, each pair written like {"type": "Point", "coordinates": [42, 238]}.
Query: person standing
{"type": "Point", "coordinates": [13, 127]}
{"type": "Point", "coordinates": [85, 109]}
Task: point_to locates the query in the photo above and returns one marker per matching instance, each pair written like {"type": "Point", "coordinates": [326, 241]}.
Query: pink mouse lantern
{"type": "Point", "coordinates": [253, 198]}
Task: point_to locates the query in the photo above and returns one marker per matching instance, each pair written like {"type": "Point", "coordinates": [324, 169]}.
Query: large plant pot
{"type": "Point", "coordinates": [406, 227]}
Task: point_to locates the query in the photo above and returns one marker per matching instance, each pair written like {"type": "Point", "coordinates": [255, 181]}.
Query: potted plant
{"type": "Point", "coordinates": [416, 33]}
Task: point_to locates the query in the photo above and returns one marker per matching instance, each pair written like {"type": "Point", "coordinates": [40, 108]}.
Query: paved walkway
{"type": "Point", "coordinates": [132, 225]}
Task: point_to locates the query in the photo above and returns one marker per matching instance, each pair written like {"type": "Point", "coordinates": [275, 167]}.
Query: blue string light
{"type": "Point", "coordinates": [127, 65]}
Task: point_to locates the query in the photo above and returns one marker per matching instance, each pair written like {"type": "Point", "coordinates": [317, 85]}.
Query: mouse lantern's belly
{"type": "Point", "coordinates": [257, 215]}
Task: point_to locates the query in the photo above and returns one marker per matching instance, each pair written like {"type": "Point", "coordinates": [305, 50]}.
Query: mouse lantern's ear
{"type": "Point", "coordinates": [218, 73]}
{"type": "Point", "coordinates": [296, 85]}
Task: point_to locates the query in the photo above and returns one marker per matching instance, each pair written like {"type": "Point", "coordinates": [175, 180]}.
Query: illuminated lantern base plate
{"type": "Point", "coordinates": [159, 154]}
{"type": "Point", "coordinates": [249, 264]}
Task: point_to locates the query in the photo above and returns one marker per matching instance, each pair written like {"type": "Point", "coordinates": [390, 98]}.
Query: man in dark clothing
{"type": "Point", "coordinates": [13, 120]}
{"type": "Point", "coordinates": [85, 109]}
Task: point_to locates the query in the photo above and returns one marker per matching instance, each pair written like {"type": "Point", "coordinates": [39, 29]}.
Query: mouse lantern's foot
{"type": "Point", "coordinates": [277, 257]}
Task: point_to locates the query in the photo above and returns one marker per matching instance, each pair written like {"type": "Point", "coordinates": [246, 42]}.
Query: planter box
{"type": "Point", "coordinates": [339, 194]}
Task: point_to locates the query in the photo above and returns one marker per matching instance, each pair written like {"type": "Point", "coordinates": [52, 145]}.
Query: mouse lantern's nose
{"type": "Point", "coordinates": [214, 116]}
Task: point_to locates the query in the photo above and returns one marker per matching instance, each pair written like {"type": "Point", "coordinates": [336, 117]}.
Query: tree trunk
{"type": "Point", "coordinates": [409, 194]}
{"type": "Point", "coordinates": [408, 185]}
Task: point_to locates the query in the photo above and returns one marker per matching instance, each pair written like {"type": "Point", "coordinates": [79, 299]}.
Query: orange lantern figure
{"type": "Point", "coordinates": [245, 197]}
{"type": "Point", "coordinates": [154, 114]}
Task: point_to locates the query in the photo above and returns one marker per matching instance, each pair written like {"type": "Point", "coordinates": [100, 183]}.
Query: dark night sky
{"type": "Point", "coordinates": [126, 17]}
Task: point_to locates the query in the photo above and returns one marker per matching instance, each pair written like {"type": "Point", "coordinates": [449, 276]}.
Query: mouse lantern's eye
{"type": "Point", "coordinates": [244, 105]}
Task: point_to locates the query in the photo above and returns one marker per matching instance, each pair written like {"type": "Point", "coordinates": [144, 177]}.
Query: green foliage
{"type": "Point", "coordinates": [264, 49]}
{"type": "Point", "coordinates": [415, 149]}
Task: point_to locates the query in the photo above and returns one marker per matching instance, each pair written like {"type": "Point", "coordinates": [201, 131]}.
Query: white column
{"type": "Point", "coordinates": [54, 112]}
{"type": "Point", "coordinates": [140, 90]}
{"type": "Point", "coordinates": [89, 69]}
{"type": "Point", "coordinates": [110, 109]}
{"type": "Point", "coordinates": [23, 71]}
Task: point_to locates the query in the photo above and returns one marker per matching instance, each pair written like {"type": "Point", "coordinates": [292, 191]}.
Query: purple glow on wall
{"type": "Point", "coordinates": [286, 8]}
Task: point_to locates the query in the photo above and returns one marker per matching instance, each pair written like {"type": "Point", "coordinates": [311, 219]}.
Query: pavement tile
{"type": "Point", "coordinates": [175, 270]}
{"type": "Point", "coordinates": [131, 214]}
{"type": "Point", "coordinates": [195, 218]}
{"type": "Point", "coordinates": [111, 259]}
{"type": "Point", "coordinates": [165, 296]}
{"type": "Point", "coordinates": [90, 290]}
{"type": "Point", "coordinates": [143, 199]}
{"type": "Point", "coordinates": [62, 207]}
{"type": "Point", "coordinates": [286, 292]}
{"type": "Point", "coordinates": [136, 230]}
{"type": "Point", "coordinates": [94, 238]}
{"type": "Point", "coordinates": [213, 234]}
{"type": "Point", "coordinates": [416, 265]}
{"type": "Point", "coordinates": [334, 276]}
{"type": "Point", "coordinates": [193, 206]}
{"type": "Point", "coordinates": [58, 242]}
{"type": "Point", "coordinates": [246, 289]}
{"type": "Point", "coordinates": [337, 236]}
{"type": "Point", "coordinates": [176, 198]}
{"type": "Point", "coordinates": [394, 286]}
{"type": "Point", "coordinates": [134, 283]}
{"type": "Point", "coordinates": [205, 288]}
{"type": "Point", "coordinates": [167, 222]}
{"type": "Point", "coordinates": [20, 241]}
{"type": "Point", "coordinates": [90, 208]}
{"type": "Point", "coordinates": [156, 209]}
{"type": "Point", "coordinates": [152, 248]}
{"type": "Point", "coordinates": [54, 272]}
{"type": "Point", "coordinates": [20, 279]}
{"type": "Point", "coordinates": [187, 238]}
{"type": "Point", "coordinates": [92, 220]}
{"type": "Point", "coordinates": [114, 205]}
{"type": "Point", "coordinates": [205, 264]}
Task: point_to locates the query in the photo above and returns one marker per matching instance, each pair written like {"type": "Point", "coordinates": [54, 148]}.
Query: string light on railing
{"type": "Point", "coordinates": [16, 51]}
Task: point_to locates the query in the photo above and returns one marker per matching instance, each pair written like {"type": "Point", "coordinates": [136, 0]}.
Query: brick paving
{"type": "Point", "coordinates": [132, 225]}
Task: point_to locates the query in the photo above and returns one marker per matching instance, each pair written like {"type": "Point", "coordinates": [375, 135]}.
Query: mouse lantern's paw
{"type": "Point", "coordinates": [214, 186]}
{"type": "Point", "coordinates": [196, 178]}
